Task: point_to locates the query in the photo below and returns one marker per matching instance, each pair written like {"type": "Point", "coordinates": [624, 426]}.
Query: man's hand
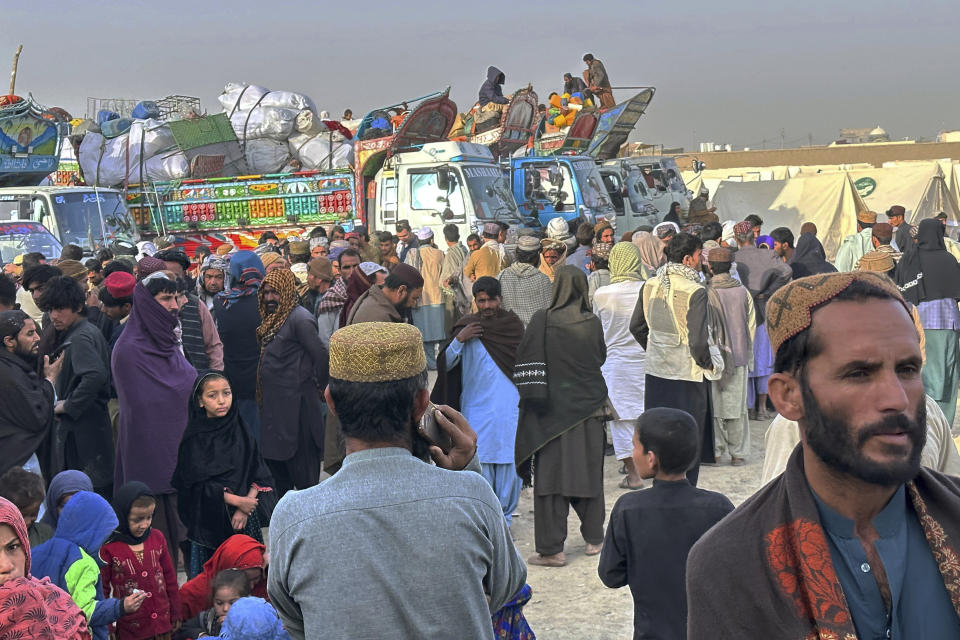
{"type": "Point", "coordinates": [52, 369]}
{"type": "Point", "coordinates": [133, 602]}
{"type": "Point", "coordinates": [463, 436]}
{"type": "Point", "coordinates": [469, 332]}
{"type": "Point", "coordinates": [59, 408]}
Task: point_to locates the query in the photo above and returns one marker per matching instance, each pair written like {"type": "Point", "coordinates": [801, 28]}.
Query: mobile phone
{"type": "Point", "coordinates": [59, 350]}
{"type": "Point", "coordinates": [433, 432]}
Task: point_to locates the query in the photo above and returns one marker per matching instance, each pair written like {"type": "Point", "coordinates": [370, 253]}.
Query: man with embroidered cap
{"type": "Point", "coordinates": [291, 374]}
{"type": "Point", "coordinates": [855, 539]}
{"type": "Point", "coordinates": [392, 302]}
{"type": "Point", "coordinates": [491, 258]}
{"type": "Point", "coordinates": [853, 247]}
{"type": "Point", "coordinates": [448, 560]}
{"type": "Point", "coordinates": [524, 288]}
{"type": "Point", "coordinates": [762, 272]}
{"type": "Point", "coordinates": [429, 314]}
{"type": "Point", "coordinates": [881, 236]}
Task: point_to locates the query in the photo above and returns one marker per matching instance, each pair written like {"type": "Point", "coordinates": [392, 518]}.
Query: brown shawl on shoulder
{"type": "Point", "coordinates": [765, 571]}
{"type": "Point", "coordinates": [501, 337]}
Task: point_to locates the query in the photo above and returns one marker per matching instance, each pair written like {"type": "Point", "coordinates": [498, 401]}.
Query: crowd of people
{"type": "Point", "coordinates": [161, 411]}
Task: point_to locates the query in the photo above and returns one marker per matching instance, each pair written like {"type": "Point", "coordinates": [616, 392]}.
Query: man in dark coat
{"type": "Point", "coordinates": [84, 436]}
{"type": "Point", "coordinates": [26, 409]}
{"type": "Point", "coordinates": [490, 90]}
{"type": "Point", "coordinates": [290, 380]}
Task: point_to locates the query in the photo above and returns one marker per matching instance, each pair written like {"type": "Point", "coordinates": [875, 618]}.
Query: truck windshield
{"type": "Point", "coordinates": [490, 192]}
{"type": "Point", "coordinates": [26, 237]}
{"type": "Point", "coordinates": [591, 186]}
{"type": "Point", "coordinates": [81, 223]}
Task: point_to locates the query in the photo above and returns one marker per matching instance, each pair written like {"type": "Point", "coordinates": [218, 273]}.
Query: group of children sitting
{"type": "Point", "coordinates": [120, 571]}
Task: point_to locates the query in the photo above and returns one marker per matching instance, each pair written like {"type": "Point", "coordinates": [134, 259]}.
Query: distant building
{"type": "Point", "coordinates": [709, 147]}
{"type": "Point", "coordinates": [862, 136]}
{"type": "Point", "coordinates": [949, 136]}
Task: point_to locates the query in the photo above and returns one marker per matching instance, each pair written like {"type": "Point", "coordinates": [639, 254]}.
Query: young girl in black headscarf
{"type": "Point", "coordinates": [220, 478]}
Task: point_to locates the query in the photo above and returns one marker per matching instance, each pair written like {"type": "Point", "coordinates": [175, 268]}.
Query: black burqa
{"type": "Point", "coordinates": [809, 258]}
{"type": "Point", "coordinates": [215, 455]}
{"type": "Point", "coordinates": [501, 337]}
{"type": "Point", "coordinates": [927, 271]}
{"type": "Point", "coordinates": [558, 368]}
{"type": "Point", "coordinates": [122, 503]}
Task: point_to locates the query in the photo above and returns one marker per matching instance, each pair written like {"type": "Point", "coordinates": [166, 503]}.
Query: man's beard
{"type": "Point", "coordinates": [27, 355]}
{"type": "Point", "coordinates": [830, 438]}
{"type": "Point", "coordinates": [402, 304]}
{"type": "Point", "coordinates": [270, 307]}
{"type": "Point", "coordinates": [207, 291]}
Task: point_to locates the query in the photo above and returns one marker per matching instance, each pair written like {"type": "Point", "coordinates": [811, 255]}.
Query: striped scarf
{"type": "Point", "coordinates": [284, 282]}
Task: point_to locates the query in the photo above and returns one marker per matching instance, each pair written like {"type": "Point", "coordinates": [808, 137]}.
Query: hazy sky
{"type": "Point", "coordinates": [731, 71]}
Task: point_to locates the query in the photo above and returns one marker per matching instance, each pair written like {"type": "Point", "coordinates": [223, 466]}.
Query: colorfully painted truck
{"type": "Point", "coordinates": [417, 174]}
{"type": "Point", "coordinates": [30, 144]}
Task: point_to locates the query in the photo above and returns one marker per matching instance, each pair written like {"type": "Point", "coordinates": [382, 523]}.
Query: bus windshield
{"type": "Point", "coordinates": [92, 220]}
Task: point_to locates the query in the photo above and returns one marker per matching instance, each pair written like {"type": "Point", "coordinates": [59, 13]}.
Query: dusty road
{"type": "Point", "coordinates": [570, 602]}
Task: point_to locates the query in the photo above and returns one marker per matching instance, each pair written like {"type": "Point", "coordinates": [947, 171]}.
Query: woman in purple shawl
{"type": "Point", "coordinates": [153, 381]}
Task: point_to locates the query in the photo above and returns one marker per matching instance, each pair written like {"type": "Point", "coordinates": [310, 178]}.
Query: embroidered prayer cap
{"type": "Point", "coordinates": [666, 229]}
{"type": "Point", "coordinates": [148, 265]}
{"type": "Point", "coordinates": [424, 233]}
{"type": "Point", "coordinates": [408, 275]}
{"type": "Point", "coordinates": [876, 261]}
{"type": "Point", "coordinates": [602, 250]}
{"type": "Point", "coordinates": [743, 228]}
{"type": "Point", "coordinates": [269, 258]}
{"type": "Point", "coordinates": [720, 254]}
{"type": "Point", "coordinates": [320, 268]}
{"type": "Point", "coordinates": [883, 231]}
{"type": "Point", "coordinates": [299, 248]}
{"type": "Point", "coordinates": [120, 284]}
{"type": "Point", "coordinates": [790, 309]}
{"type": "Point", "coordinates": [869, 217]}
{"type": "Point", "coordinates": [491, 229]}
{"type": "Point", "coordinates": [528, 243]}
{"type": "Point", "coordinates": [224, 249]}
{"type": "Point", "coordinates": [377, 352]}
{"type": "Point", "coordinates": [551, 243]}
{"type": "Point", "coordinates": [370, 268]}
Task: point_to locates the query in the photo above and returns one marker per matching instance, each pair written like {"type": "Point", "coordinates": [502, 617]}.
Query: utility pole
{"type": "Point", "coordinates": [13, 71]}
{"type": "Point", "coordinates": [783, 134]}
{"type": "Point", "coordinates": [809, 139]}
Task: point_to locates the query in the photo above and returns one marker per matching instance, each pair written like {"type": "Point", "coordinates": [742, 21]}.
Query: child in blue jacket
{"type": "Point", "coordinates": [68, 559]}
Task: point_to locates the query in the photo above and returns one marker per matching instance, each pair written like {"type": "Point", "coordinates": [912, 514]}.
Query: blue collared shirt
{"type": "Point", "coordinates": [921, 604]}
{"type": "Point", "coordinates": [489, 401]}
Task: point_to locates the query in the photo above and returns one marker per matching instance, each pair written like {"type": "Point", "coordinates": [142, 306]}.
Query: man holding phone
{"type": "Point", "coordinates": [428, 551]}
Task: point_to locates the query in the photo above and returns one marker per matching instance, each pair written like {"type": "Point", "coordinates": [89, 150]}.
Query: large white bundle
{"type": "Point", "coordinates": [265, 155]}
{"type": "Point", "coordinates": [246, 94]}
{"type": "Point", "coordinates": [314, 152]}
{"type": "Point", "coordinates": [172, 166]}
{"type": "Point", "coordinates": [240, 96]}
{"type": "Point", "coordinates": [105, 163]}
{"type": "Point", "coordinates": [264, 122]}
{"type": "Point", "coordinates": [153, 134]}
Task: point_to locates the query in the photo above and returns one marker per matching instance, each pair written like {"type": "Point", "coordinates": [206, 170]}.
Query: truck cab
{"type": "Point", "coordinates": [89, 217]}
{"type": "Point", "coordinates": [440, 184]}
{"type": "Point", "coordinates": [649, 181]}
{"type": "Point", "coordinates": [569, 187]}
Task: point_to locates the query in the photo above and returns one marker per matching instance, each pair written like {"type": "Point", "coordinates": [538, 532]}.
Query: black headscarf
{"type": "Point", "coordinates": [122, 502]}
{"type": "Point", "coordinates": [927, 271]}
{"type": "Point", "coordinates": [215, 454]}
{"type": "Point", "coordinates": [558, 368]}
{"type": "Point", "coordinates": [809, 258]}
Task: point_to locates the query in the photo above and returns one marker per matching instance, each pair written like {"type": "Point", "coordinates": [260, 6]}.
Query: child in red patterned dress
{"type": "Point", "coordinates": [136, 558]}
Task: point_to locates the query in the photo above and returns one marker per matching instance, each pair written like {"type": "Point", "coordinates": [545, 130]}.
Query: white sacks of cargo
{"type": "Point", "coordinates": [309, 123]}
{"type": "Point", "coordinates": [314, 152]}
{"type": "Point", "coordinates": [265, 156]}
{"type": "Point", "coordinates": [106, 162]}
{"type": "Point", "coordinates": [240, 96]}
{"type": "Point", "coordinates": [264, 122]}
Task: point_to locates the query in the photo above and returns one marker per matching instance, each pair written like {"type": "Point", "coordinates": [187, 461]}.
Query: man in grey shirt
{"type": "Point", "coordinates": [392, 546]}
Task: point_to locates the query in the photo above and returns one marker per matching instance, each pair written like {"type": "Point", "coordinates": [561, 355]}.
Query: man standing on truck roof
{"type": "Point", "coordinates": [598, 81]}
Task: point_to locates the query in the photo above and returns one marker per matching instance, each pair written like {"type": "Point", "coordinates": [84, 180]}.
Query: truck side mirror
{"type": "Point", "coordinates": [699, 166]}
{"type": "Point", "coordinates": [443, 179]}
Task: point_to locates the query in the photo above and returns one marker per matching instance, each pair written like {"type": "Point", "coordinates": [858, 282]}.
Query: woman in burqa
{"type": "Point", "coordinates": [809, 258]}
{"type": "Point", "coordinates": [929, 277]}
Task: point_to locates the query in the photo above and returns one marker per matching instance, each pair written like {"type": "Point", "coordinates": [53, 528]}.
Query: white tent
{"type": "Point", "coordinates": [919, 187]}
{"type": "Point", "coordinates": [829, 200]}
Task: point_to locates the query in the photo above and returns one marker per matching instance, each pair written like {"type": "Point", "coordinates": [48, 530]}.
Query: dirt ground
{"type": "Point", "coordinates": [571, 602]}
